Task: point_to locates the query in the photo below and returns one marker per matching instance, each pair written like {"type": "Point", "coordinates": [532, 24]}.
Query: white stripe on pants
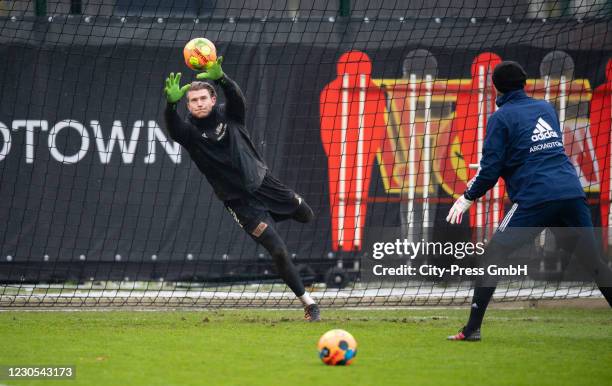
{"type": "Point", "coordinates": [502, 226]}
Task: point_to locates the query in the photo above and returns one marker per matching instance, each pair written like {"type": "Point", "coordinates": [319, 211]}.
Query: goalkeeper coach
{"type": "Point", "coordinates": [218, 142]}
{"type": "Point", "coordinates": [524, 146]}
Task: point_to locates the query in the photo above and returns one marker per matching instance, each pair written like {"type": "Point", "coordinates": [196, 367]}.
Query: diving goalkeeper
{"type": "Point", "coordinates": [524, 146]}
{"type": "Point", "coordinates": [217, 141]}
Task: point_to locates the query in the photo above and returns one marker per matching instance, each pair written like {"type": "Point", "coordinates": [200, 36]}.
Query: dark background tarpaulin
{"type": "Point", "coordinates": [107, 71]}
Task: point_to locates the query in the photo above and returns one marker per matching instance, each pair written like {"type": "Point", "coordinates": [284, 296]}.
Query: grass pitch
{"type": "Point", "coordinates": [261, 347]}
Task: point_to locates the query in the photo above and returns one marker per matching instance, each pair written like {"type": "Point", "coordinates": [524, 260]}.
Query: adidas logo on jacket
{"type": "Point", "coordinates": [543, 131]}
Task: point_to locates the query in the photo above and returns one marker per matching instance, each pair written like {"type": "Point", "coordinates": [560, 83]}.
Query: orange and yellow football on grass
{"type": "Point", "coordinates": [198, 52]}
{"type": "Point", "coordinates": [337, 348]}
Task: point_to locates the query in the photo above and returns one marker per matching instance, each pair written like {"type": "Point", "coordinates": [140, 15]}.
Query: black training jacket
{"type": "Point", "coordinates": [220, 145]}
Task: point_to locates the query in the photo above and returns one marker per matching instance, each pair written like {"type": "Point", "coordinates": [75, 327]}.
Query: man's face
{"type": "Point", "coordinates": [200, 103]}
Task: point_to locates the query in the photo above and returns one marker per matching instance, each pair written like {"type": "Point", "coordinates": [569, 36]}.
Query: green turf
{"type": "Point", "coordinates": [260, 347]}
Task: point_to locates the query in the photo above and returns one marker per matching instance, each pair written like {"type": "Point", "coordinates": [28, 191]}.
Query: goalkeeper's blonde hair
{"type": "Point", "coordinates": [197, 85]}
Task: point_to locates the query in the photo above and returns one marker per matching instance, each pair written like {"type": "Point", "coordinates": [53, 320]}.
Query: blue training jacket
{"type": "Point", "coordinates": [524, 146]}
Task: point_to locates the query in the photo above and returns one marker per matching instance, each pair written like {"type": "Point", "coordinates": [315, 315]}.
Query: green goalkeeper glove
{"type": "Point", "coordinates": [213, 70]}
{"type": "Point", "coordinates": [173, 90]}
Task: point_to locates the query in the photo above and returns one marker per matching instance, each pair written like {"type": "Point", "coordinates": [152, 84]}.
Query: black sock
{"type": "Point", "coordinates": [607, 293]}
{"type": "Point", "coordinates": [480, 301]}
{"type": "Point", "coordinates": [275, 245]}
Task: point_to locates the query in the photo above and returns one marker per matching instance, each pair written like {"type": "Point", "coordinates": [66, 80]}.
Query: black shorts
{"type": "Point", "coordinates": [271, 201]}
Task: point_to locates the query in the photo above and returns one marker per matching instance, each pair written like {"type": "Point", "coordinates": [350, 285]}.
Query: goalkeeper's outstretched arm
{"type": "Point", "coordinates": [491, 164]}
{"type": "Point", "coordinates": [174, 92]}
{"type": "Point", "coordinates": [235, 105]}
